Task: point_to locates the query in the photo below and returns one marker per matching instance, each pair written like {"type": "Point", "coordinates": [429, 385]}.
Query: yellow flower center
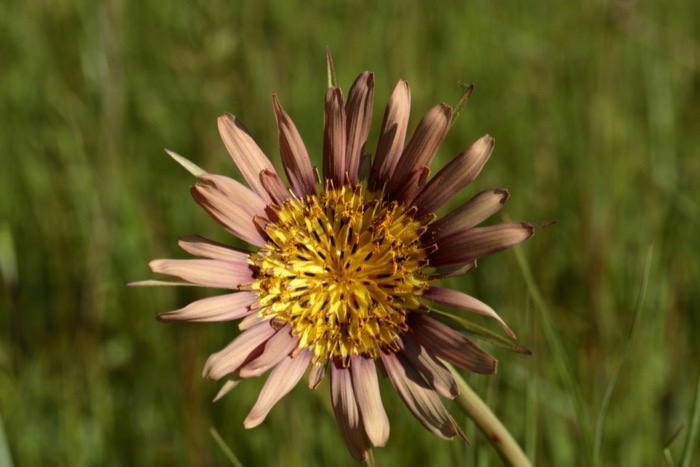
{"type": "Point", "coordinates": [343, 268]}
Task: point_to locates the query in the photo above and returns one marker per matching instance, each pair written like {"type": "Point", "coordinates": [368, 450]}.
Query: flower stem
{"type": "Point", "coordinates": [489, 424]}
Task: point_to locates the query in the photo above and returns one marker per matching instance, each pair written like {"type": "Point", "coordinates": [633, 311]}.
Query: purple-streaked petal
{"type": "Point", "coordinates": [460, 300]}
{"type": "Point", "coordinates": [282, 379]}
{"type": "Point", "coordinates": [392, 136]}
{"type": "Point", "coordinates": [347, 413]}
{"type": "Point", "coordinates": [334, 138]}
{"type": "Point", "coordinates": [232, 217]}
{"type": "Point", "coordinates": [369, 401]}
{"type": "Point", "coordinates": [471, 244]}
{"type": "Point", "coordinates": [245, 152]}
{"type": "Point", "coordinates": [416, 180]}
{"type": "Point", "coordinates": [316, 374]}
{"type": "Point", "coordinates": [447, 344]}
{"type": "Point", "coordinates": [423, 146]}
{"type": "Point", "coordinates": [295, 158]}
{"type": "Point", "coordinates": [243, 348]}
{"type": "Point", "coordinates": [274, 186]}
{"type": "Point", "coordinates": [433, 371]}
{"type": "Point", "coordinates": [205, 248]}
{"type": "Point", "coordinates": [276, 348]}
{"type": "Point", "coordinates": [238, 194]}
{"type": "Point", "coordinates": [472, 213]}
{"type": "Point", "coordinates": [206, 272]}
{"type": "Point", "coordinates": [359, 117]}
{"type": "Point", "coordinates": [220, 308]}
{"type": "Point", "coordinates": [451, 270]}
{"type": "Point", "coordinates": [457, 174]}
{"type": "Point", "coordinates": [420, 399]}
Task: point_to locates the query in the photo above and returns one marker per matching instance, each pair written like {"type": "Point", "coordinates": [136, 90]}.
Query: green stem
{"type": "Point", "coordinates": [489, 424]}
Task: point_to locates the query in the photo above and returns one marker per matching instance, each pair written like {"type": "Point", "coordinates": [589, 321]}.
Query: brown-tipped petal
{"type": "Point", "coordinates": [346, 411]}
{"type": "Point", "coordinates": [423, 146]}
{"type": "Point", "coordinates": [475, 243]}
{"type": "Point", "coordinates": [282, 379]}
{"type": "Point", "coordinates": [369, 401]}
{"type": "Point", "coordinates": [334, 138]}
{"type": "Point", "coordinates": [420, 399]}
{"type": "Point", "coordinates": [316, 375]}
{"type": "Point", "coordinates": [245, 152]}
{"type": "Point", "coordinates": [359, 117]}
{"type": "Point", "coordinates": [200, 246]}
{"type": "Point", "coordinates": [276, 348]}
{"type": "Point", "coordinates": [446, 343]}
{"type": "Point", "coordinates": [412, 186]}
{"type": "Point", "coordinates": [274, 186]}
{"type": "Point", "coordinates": [219, 308]}
{"type": "Point", "coordinates": [457, 174]}
{"type": "Point", "coordinates": [237, 193]}
{"type": "Point", "coordinates": [472, 213]}
{"type": "Point", "coordinates": [392, 136]}
{"type": "Point", "coordinates": [295, 158]}
{"type": "Point", "coordinates": [463, 301]}
{"type": "Point", "coordinates": [433, 371]}
{"type": "Point", "coordinates": [243, 348]}
{"type": "Point", "coordinates": [206, 272]}
{"type": "Point", "coordinates": [231, 216]}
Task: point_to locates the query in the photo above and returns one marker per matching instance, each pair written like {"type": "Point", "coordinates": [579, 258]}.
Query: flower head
{"type": "Point", "coordinates": [341, 271]}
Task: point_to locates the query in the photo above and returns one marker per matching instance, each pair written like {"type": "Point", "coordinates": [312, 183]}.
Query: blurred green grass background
{"type": "Point", "coordinates": [595, 107]}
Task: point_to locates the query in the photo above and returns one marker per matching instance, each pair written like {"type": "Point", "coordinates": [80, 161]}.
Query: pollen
{"type": "Point", "coordinates": [343, 269]}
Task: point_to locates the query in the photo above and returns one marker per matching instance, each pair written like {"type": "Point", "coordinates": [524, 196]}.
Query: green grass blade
{"type": "Point", "coordinates": [691, 440]}
{"type": "Point", "coordinates": [224, 447]}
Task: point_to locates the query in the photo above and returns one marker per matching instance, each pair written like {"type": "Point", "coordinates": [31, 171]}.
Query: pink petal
{"type": "Point", "coordinates": [295, 158]}
{"type": "Point", "coordinates": [477, 242]}
{"type": "Point", "coordinates": [200, 246]}
{"type": "Point", "coordinates": [276, 348]}
{"type": "Point", "coordinates": [392, 135]}
{"type": "Point", "coordinates": [423, 146]}
{"type": "Point", "coordinates": [347, 413]}
{"type": "Point", "coordinates": [238, 194]}
{"type": "Point", "coordinates": [246, 346]}
{"type": "Point", "coordinates": [219, 308]}
{"type": "Point", "coordinates": [359, 117]}
{"type": "Point", "coordinates": [334, 138]}
{"type": "Point", "coordinates": [316, 375]}
{"type": "Point", "coordinates": [245, 153]}
{"type": "Point", "coordinates": [206, 272]}
{"type": "Point", "coordinates": [473, 212]}
{"type": "Point", "coordinates": [457, 174]}
{"type": "Point", "coordinates": [274, 186]}
{"type": "Point", "coordinates": [231, 216]}
{"type": "Point", "coordinates": [420, 399]}
{"type": "Point", "coordinates": [369, 401]}
{"type": "Point", "coordinates": [447, 344]}
{"type": "Point", "coordinates": [282, 379]}
{"type": "Point", "coordinates": [432, 370]}
{"type": "Point", "coordinates": [463, 301]}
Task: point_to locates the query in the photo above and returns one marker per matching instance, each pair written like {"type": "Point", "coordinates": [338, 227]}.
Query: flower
{"type": "Point", "coordinates": [342, 272]}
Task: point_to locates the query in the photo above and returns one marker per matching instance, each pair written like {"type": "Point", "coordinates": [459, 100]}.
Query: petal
{"type": "Point", "coordinates": [276, 348]}
{"type": "Point", "coordinates": [420, 399]}
{"type": "Point", "coordinates": [432, 370]}
{"type": "Point", "coordinates": [450, 270]}
{"type": "Point", "coordinates": [423, 146]}
{"type": "Point", "coordinates": [392, 135]}
{"type": "Point", "coordinates": [200, 246]}
{"type": "Point", "coordinates": [243, 348]}
{"type": "Point", "coordinates": [316, 375]}
{"type": "Point", "coordinates": [456, 299]}
{"type": "Point", "coordinates": [346, 411]}
{"type": "Point", "coordinates": [447, 344]}
{"type": "Point", "coordinates": [282, 379]}
{"type": "Point", "coordinates": [457, 174]}
{"type": "Point", "coordinates": [206, 272]}
{"type": "Point", "coordinates": [359, 117]}
{"type": "Point", "coordinates": [245, 152]}
{"type": "Point", "coordinates": [369, 401]}
{"type": "Point", "coordinates": [334, 138]}
{"type": "Point", "coordinates": [412, 186]}
{"type": "Point", "coordinates": [274, 186]}
{"type": "Point", "coordinates": [219, 308]}
{"type": "Point", "coordinates": [232, 217]}
{"type": "Point", "coordinates": [473, 212]}
{"type": "Point", "coordinates": [237, 193]}
{"type": "Point", "coordinates": [295, 158]}
{"type": "Point", "coordinates": [227, 387]}
{"type": "Point", "coordinates": [471, 244]}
